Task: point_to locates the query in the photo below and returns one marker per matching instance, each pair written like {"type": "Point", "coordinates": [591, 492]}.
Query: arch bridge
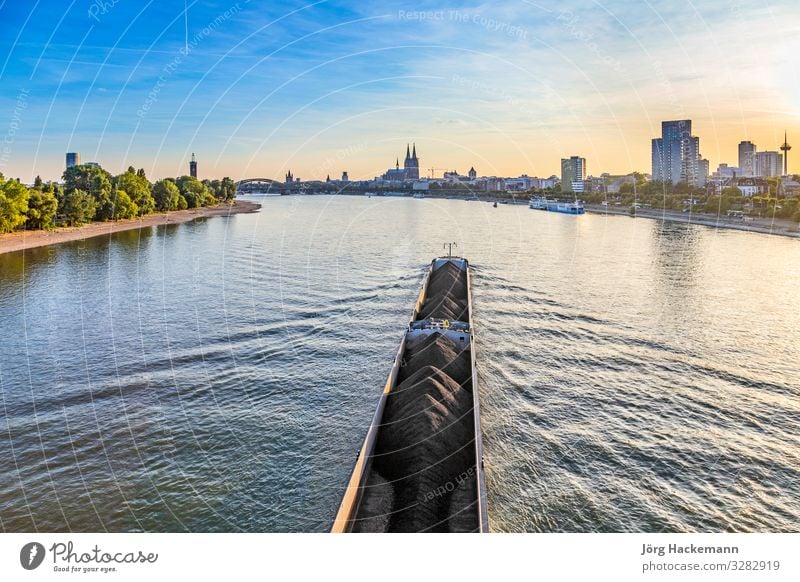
{"type": "Point", "coordinates": [259, 185]}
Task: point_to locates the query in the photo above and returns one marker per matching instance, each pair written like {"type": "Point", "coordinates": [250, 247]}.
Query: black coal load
{"type": "Point", "coordinates": [443, 307]}
{"type": "Point", "coordinates": [422, 476]}
{"type": "Point", "coordinates": [376, 505]}
{"type": "Point", "coordinates": [464, 505]}
{"type": "Point", "coordinates": [425, 443]}
{"type": "Point", "coordinates": [448, 279]}
{"type": "Point", "coordinates": [439, 351]}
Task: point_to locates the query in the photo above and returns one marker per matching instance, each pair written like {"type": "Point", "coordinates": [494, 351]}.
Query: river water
{"type": "Point", "coordinates": [220, 375]}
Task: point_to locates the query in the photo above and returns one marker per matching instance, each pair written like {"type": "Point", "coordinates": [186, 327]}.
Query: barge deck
{"type": "Point", "coordinates": [420, 468]}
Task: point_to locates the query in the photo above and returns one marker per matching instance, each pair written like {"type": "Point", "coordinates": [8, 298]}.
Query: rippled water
{"type": "Point", "coordinates": [220, 375]}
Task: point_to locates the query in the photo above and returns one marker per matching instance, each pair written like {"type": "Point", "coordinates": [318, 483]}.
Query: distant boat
{"type": "Point", "coordinates": [575, 207]}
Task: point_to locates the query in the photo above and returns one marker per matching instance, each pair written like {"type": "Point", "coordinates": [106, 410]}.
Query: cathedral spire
{"type": "Point", "coordinates": [408, 152]}
{"type": "Point", "coordinates": [414, 155]}
{"type": "Point", "coordinates": [398, 163]}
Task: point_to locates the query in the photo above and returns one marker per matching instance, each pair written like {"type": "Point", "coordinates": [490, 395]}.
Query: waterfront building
{"type": "Point", "coordinates": [676, 155]}
{"type": "Point", "coordinates": [472, 173]}
{"type": "Point", "coordinates": [768, 164]}
{"type": "Point", "coordinates": [73, 159]}
{"type": "Point", "coordinates": [289, 177]}
{"type": "Point", "coordinates": [724, 171]}
{"type": "Point", "coordinates": [345, 177]}
{"type": "Point", "coordinates": [520, 184]}
{"type": "Point", "coordinates": [703, 172]}
{"type": "Point", "coordinates": [573, 174]}
{"type": "Point", "coordinates": [193, 167]}
{"type": "Point", "coordinates": [747, 159]}
{"type": "Point", "coordinates": [491, 184]}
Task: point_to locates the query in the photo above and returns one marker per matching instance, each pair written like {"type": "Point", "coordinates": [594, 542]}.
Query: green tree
{"type": "Point", "coordinates": [138, 188]}
{"type": "Point", "coordinates": [13, 204]}
{"type": "Point", "coordinates": [195, 192]}
{"type": "Point", "coordinates": [42, 208]}
{"type": "Point", "coordinates": [124, 207]}
{"type": "Point", "coordinates": [731, 191]}
{"type": "Point", "coordinates": [717, 205]}
{"type": "Point", "coordinates": [166, 195]}
{"type": "Point", "coordinates": [96, 182]}
{"type": "Point", "coordinates": [78, 207]}
{"type": "Point", "coordinates": [228, 189]}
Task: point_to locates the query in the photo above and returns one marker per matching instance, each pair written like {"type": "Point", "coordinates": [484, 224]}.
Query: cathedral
{"type": "Point", "coordinates": [409, 171]}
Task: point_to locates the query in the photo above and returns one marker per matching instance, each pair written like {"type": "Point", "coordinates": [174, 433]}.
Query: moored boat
{"type": "Point", "coordinates": [420, 468]}
{"type": "Point", "coordinates": [541, 203]}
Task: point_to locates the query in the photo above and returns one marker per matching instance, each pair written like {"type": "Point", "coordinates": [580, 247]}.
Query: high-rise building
{"type": "Point", "coordinates": [768, 164]}
{"type": "Point", "coordinates": [703, 171]}
{"type": "Point", "coordinates": [193, 167]}
{"type": "Point", "coordinates": [573, 174]}
{"type": "Point", "coordinates": [747, 159]}
{"type": "Point", "coordinates": [73, 159]}
{"type": "Point", "coordinates": [676, 154]}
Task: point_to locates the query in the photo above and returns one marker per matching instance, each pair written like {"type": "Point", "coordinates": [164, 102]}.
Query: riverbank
{"type": "Point", "coordinates": [778, 226]}
{"type": "Point", "coordinates": [18, 241]}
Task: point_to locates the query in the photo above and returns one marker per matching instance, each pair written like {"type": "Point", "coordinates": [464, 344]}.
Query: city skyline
{"type": "Point", "coordinates": [326, 87]}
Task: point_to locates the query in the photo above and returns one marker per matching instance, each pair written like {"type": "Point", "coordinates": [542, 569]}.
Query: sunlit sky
{"type": "Point", "coordinates": [508, 86]}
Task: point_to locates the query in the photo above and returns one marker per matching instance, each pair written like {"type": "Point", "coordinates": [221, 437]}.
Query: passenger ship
{"type": "Point", "coordinates": [575, 207]}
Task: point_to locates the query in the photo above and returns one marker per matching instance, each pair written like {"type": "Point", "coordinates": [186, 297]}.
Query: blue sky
{"type": "Point", "coordinates": [320, 87]}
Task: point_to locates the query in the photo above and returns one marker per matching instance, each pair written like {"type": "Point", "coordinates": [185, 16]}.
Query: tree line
{"type": "Point", "coordinates": [89, 193]}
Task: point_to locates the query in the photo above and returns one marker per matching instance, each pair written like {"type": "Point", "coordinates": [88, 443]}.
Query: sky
{"type": "Point", "coordinates": [256, 88]}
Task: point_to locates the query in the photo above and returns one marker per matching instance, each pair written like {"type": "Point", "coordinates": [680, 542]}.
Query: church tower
{"type": "Point", "coordinates": [411, 165]}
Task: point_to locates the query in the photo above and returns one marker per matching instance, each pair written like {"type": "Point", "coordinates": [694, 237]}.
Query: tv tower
{"type": "Point", "coordinates": [785, 149]}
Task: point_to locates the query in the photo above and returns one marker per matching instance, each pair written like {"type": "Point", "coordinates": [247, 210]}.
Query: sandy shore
{"type": "Point", "coordinates": [777, 226]}
{"type": "Point", "coordinates": [18, 241]}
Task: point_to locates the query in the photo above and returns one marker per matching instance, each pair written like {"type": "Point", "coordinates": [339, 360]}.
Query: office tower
{"type": "Point", "coordinates": [676, 154]}
{"type": "Point", "coordinates": [747, 159]}
{"type": "Point", "coordinates": [573, 173]}
{"type": "Point", "coordinates": [73, 159]}
{"type": "Point", "coordinates": [193, 167]}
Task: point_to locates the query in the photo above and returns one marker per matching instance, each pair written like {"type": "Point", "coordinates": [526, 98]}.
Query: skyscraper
{"type": "Point", "coordinates": [676, 154]}
{"type": "Point", "coordinates": [73, 159]}
{"type": "Point", "coordinates": [747, 159]}
{"type": "Point", "coordinates": [193, 167]}
{"type": "Point", "coordinates": [573, 173]}
{"type": "Point", "coordinates": [768, 164]}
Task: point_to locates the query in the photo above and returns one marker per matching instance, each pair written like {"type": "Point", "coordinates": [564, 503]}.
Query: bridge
{"type": "Point", "coordinates": [263, 185]}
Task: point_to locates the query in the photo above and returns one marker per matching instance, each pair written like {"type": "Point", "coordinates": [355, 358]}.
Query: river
{"type": "Point", "coordinates": [220, 375]}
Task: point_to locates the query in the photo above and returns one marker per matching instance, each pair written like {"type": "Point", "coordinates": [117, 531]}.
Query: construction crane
{"type": "Point", "coordinates": [434, 170]}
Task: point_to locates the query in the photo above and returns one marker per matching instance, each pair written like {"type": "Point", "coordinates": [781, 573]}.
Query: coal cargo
{"type": "Point", "coordinates": [420, 468]}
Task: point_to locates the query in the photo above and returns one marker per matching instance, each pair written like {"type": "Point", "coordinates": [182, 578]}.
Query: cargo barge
{"type": "Point", "coordinates": [420, 468]}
